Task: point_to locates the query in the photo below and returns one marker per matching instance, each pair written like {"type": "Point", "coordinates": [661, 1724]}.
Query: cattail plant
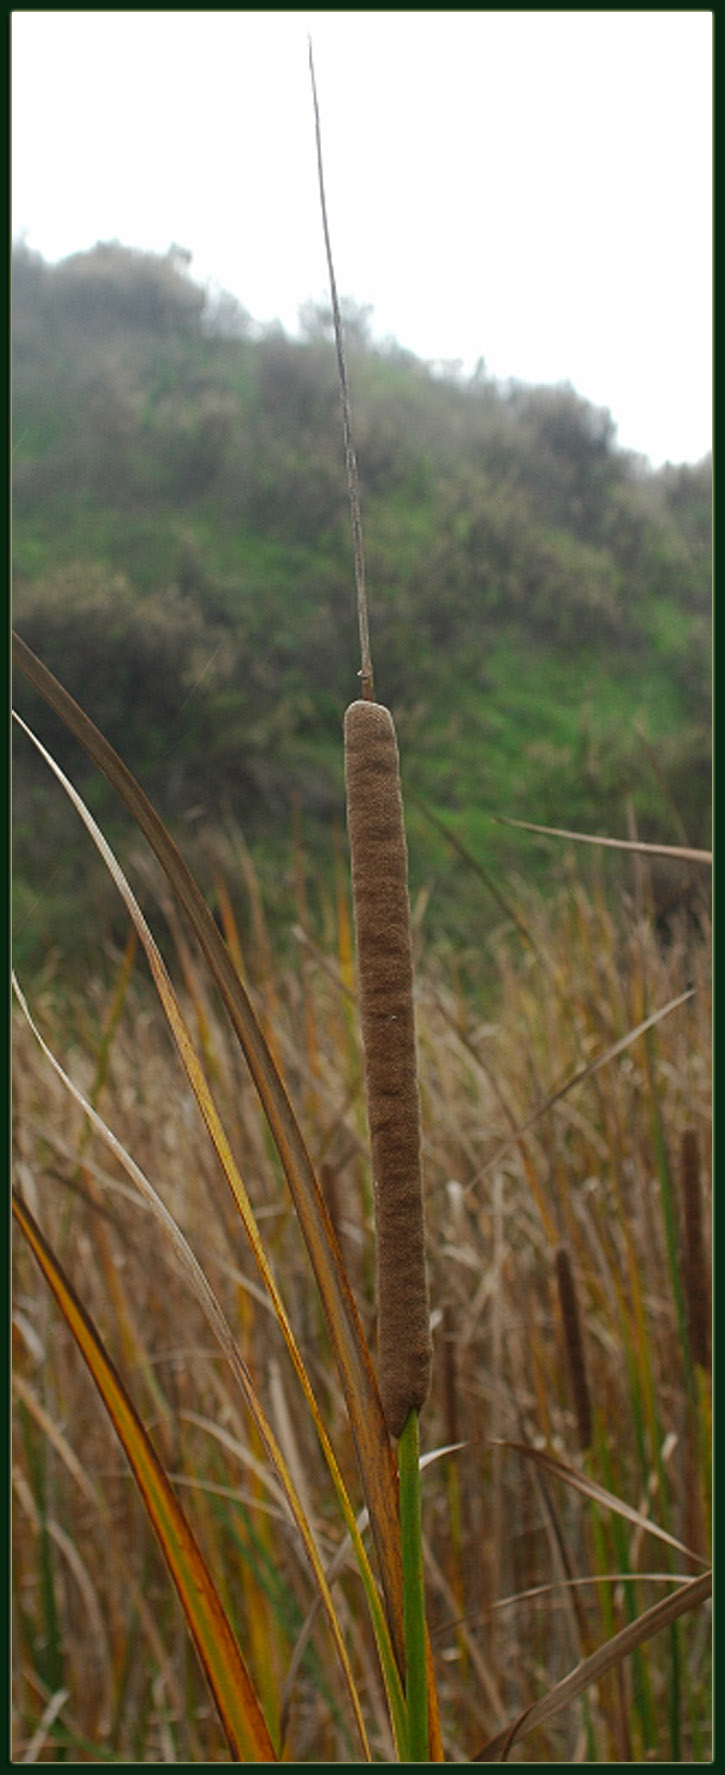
{"type": "Point", "coordinates": [385, 975]}
{"type": "Point", "coordinates": [260, 1525]}
{"type": "Point", "coordinates": [381, 908]}
{"type": "Point", "coordinates": [385, 969]}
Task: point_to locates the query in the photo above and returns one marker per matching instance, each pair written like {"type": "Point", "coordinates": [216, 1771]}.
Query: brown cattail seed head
{"type": "Point", "coordinates": [385, 977]}
{"type": "Point", "coordinates": [574, 1346]}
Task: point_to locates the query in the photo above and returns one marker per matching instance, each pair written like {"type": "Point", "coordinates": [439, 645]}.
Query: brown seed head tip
{"type": "Point", "coordinates": [365, 714]}
{"type": "Point", "coordinates": [370, 738]}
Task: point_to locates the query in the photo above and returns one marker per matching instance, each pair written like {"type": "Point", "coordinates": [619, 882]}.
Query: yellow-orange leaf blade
{"type": "Point", "coordinates": [231, 1686]}
{"type": "Point", "coordinates": [373, 1446]}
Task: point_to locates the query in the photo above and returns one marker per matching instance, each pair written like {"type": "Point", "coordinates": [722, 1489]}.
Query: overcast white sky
{"type": "Point", "coordinates": [530, 188]}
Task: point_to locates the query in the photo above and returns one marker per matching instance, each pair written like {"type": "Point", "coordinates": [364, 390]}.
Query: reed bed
{"type": "Point", "coordinates": [549, 1205]}
{"type": "Point", "coordinates": [534, 1584]}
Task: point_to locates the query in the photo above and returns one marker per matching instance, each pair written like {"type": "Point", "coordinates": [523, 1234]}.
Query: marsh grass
{"type": "Point", "coordinates": [192, 1180]}
{"type": "Point", "coordinates": [526, 1574]}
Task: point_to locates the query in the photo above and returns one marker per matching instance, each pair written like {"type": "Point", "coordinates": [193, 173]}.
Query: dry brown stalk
{"type": "Point", "coordinates": [366, 673]}
{"type": "Point", "coordinates": [697, 1288]}
{"type": "Point", "coordinates": [574, 1346]}
{"type": "Point", "coordinates": [331, 1192]}
{"type": "Point", "coordinates": [385, 974]}
{"type": "Point", "coordinates": [450, 1376]}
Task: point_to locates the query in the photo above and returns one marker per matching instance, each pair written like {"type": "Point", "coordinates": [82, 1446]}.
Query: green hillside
{"type": "Point", "coordinates": [539, 599]}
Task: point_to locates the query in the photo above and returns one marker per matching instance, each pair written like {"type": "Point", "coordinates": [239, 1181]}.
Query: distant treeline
{"type": "Point", "coordinates": [540, 599]}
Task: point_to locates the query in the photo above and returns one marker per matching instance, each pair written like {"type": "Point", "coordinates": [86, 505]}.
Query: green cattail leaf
{"type": "Point", "coordinates": [416, 1688]}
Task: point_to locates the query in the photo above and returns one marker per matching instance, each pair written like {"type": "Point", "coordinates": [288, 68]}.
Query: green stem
{"type": "Point", "coordinates": [416, 1676]}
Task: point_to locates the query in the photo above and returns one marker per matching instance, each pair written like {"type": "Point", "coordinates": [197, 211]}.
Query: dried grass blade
{"type": "Point", "coordinates": [599, 1495]}
{"type": "Point", "coordinates": [679, 852]}
{"type": "Point", "coordinates": [130, 1587]}
{"type": "Point", "coordinates": [467, 856]}
{"type": "Point", "coordinates": [59, 1442]}
{"type": "Point", "coordinates": [228, 1344]}
{"type": "Point", "coordinates": [577, 1078]}
{"type": "Point", "coordinates": [592, 1669]}
{"type": "Point", "coordinates": [372, 1443]}
{"type": "Point", "coordinates": [231, 1687]}
{"type": "Point", "coordinates": [390, 1660]}
{"type": "Point", "coordinates": [42, 1731]}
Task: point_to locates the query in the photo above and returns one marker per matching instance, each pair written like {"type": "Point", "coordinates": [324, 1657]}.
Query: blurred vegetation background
{"type": "Point", "coordinates": [540, 599]}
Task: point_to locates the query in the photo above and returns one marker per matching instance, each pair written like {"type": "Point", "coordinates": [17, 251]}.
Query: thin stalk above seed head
{"type": "Point", "coordinates": [385, 975]}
